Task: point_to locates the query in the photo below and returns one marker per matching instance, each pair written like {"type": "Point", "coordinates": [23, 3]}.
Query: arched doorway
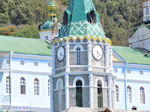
{"type": "Point", "coordinates": [99, 94]}
{"type": "Point", "coordinates": [79, 93]}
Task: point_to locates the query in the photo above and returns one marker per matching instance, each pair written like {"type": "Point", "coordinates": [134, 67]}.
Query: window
{"type": "Point", "coordinates": [49, 87]}
{"type": "Point", "coordinates": [142, 95]}
{"type": "Point", "coordinates": [117, 93]}
{"type": "Point", "coordinates": [100, 94]}
{"type": "Point", "coordinates": [129, 94]}
{"type": "Point", "coordinates": [128, 71]}
{"type": "Point", "coordinates": [22, 85]}
{"type": "Point", "coordinates": [79, 93]}
{"type": "Point", "coordinates": [8, 84]}
{"type": "Point", "coordinates": [22, 62]}
{"type": "Point", "coordinates": [35, 63]}
{"type": "Point", "coordinates": [92, 17]}
{"type": "Point", "coordinates": [36, 86]}
{"type": "Point", "coordinates": [49, 64]}
{"type": "Point", "coordinates": [7, 61]}
{"type": "Point", "coordinates": [65, 18]}
{"type": "Point", "coordinates": [115, 70]}
{"type": "Point", "coordinates": [141, 72]}
{"type": "Point", "coordinates": [46, 37]}
{"type": "Point", "coordinates": [147, 10]}
{"type": "Point", "coordinates": [78, 55]}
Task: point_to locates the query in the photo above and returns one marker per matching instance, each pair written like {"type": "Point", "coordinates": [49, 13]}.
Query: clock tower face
{"type": "Point", "coordinates": [60, 53]}
{"type": "Point", "coordinates": [97, 52]}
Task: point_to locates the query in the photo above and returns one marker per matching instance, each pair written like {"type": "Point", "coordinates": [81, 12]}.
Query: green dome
{"type": "Point", "coordinates": [48, 25]}
{"type": "Point", "coordinates": [51, 3]}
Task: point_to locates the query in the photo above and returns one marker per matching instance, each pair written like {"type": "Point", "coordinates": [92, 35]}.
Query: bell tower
{"type": "Point", "coordinates": [82, 60]}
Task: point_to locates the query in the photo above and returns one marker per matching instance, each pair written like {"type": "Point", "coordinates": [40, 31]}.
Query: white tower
{"type": "Point", "coordinates": [146, 10]}
{"type": "Point", "coordinates": [50, 29]}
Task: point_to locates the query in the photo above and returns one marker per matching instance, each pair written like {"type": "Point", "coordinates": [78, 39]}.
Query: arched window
{"type": "Point", "coordinates": [142, 95]}
{"type": "Point", "coordinates": [49, 87]}
{"type": "Point", "coordinates": [100, 94]}
{"type": "Point", "coordinates": [117, 93]}
{"type": "Point", "coordinates": [129, 94]}
{"type": "Point", "coordinates": [36, 86]}
{"type": "Point", "coordinates": [92, 17]}
{"type": "Point", "coordinates": [79, 93]}
{"type": "Point", "coordinates": [78, 55]}
{"type": "Point", "coordinates": [22, 85]}
{"type": "Point", "coordinates": [8, 84]}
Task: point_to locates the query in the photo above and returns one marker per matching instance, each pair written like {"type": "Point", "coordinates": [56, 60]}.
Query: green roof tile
{"type": "Point", "coordinates": [131, 55]}
{"type": "Point", "coordinates": [78, 20]}
{"type": "Point", "coordinates": [24, 45]}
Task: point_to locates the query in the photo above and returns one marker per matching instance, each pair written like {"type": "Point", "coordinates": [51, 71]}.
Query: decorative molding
{"type": "Point", "coordinates": [82, 38]}
{"type": "Point", "coordinates": [76, 79]}
{"type": "Point", "coordinates": [133, 80]}
{"type": "Point", "coordinates": [101, 82]}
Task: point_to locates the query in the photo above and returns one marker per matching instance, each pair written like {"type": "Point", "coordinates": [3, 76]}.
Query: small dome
{"type": "Point", "coordinates": [48, 25]}
{"type": "Point", "coordinates": [51, 25]}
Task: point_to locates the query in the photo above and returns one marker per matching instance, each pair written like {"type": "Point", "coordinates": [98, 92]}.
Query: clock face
{"type": "Point", "coordinates": [60, 53]}
{"type": "Point", "coordinates": [97, 52]}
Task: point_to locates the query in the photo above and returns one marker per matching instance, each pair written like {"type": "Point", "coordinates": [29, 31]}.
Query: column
{"type": "Point", "coordinates": [114, 92]}
{"type": "Point", "coordinates": [89, 57]}
{"type": "Point", "coordinates": [90, 75]}
{"type": "Point", "coordinates": [91, 89]}
{"type": "Point", "coordinates": [106, 58]}
{"type": "Point", "coordinates": [109, 91]}
{"type": "Point", "coordinates": [51, 93]}
{"type": "Point", "coordinates": [67, 77]}
{"type": "Point", "coordinates": [53, 59]}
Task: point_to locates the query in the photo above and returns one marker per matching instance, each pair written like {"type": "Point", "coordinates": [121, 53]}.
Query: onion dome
{"type": "Point", "coordinates": [52, 22]}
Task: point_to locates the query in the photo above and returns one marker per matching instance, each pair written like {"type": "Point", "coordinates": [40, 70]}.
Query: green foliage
{"type": "Point", "coordinates": [23, 11]}
{"type": "Point", "coordinates": [27, 31]}
{"type": "Point", "coordinates": [119, 17]}
{"type": "Point", "coordinates": [7, 30]}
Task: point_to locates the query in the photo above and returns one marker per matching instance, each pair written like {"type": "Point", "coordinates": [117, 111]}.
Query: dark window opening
{"type": "Point", "coordinates": [100, 95]}
{"type": "Point", "coordinates": [79, 93]}
{"type": "Point", "coordinates": [65, 18]}
{"type": "Point", "coordinates": [22, 86]}
{"type": "Point", "coordinates": [92, 17]}
{"type": "Point", "coordinates": [78, 56]}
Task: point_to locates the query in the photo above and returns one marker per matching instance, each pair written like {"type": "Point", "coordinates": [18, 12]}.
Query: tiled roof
{"type": "Point", "coordinates": [131, 55]}
{"type": "Point", "coordinates": [24, 45]}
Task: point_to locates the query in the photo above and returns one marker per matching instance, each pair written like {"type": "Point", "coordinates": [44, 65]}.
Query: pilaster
{"type": "Point", "coordinates": [51, 93]}
{"type": "Point", "coordinates": [91, 89]}
{"type": "Point", "coordinates": [89, 57]}
{"type": "Point", "coordinates": [109, 91]}
{"type": "Point", "coordinates": [53, 59]}
{"type": "Point", "coordinates": [67, 76]}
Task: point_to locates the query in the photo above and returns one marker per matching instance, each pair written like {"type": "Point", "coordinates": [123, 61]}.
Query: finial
{"type": "Point", "coordinates": [51, 15]}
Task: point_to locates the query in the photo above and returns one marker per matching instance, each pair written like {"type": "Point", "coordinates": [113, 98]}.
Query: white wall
{"type": "Point", "coordinates": [135, 81]}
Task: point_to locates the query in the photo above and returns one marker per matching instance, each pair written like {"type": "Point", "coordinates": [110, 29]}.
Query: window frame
{"type": "Point", "coordinates": [22, 86]}
{"type": "Point", "coordinates": [36, 87]}
{"type": "Point", "coordinates": [78, 55]}
{"type": "Point", "coordinates": [7, 88]}
{"type": "Point", "coordinates": [142, 95]}
{"type": "Point", "coordinates": [117, 93]}
{"type": "Point", "coordinates": [129, 94]}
